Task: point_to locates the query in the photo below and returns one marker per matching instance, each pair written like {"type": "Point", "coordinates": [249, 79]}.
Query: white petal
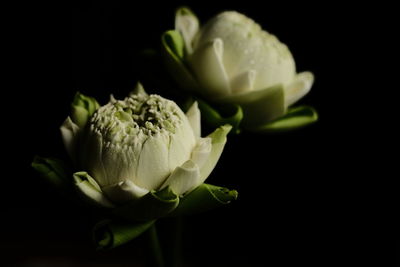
{"type": "Point", "coordinates": [153, 167]}
{"type": "Point", "coordinates": [243, 82]}
{"type": "Point", "coordinates": [202, 151]}
{"type": "Point", "coordinates": [194, 117]}
{"type": "Point", "coordinates": [90, 189]}
{"type": "Point", "coordinates": [119, 163]}
{"type": "Point", "coordinates": [184, 178]}
{"type": "Point", "coordinates": [69, 131]}
{"type": "Point", "coordinates": [91, 157]}
{"type": "Point", "coordinates": [300, 86]}
{"type": "Point", "coordinates": [188, 25]}
{"type": "Point", "coordinates": [181, 146]}
{"type": "Point", "coordinates": [124, 191]}
{"type": "Point", "coordinates": [218, 138]}
{"type": "Point", "coordinates": [207, 64]}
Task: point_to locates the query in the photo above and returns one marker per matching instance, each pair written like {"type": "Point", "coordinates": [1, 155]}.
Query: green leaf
{"type": "Point", "coordinates": [151, 206]}
{"type": "Point", "coordinates": [232, 114]}
{"type": "Point", "coordinates": [53, 170]}
{"type": "Point", "coordinates": [109, 234]}
{"type": "Point", "coordinates": [173, 52]}
{"type": "Point", "coordinates": [295, 118]}
{"type": "Point", "coordinates": [82, 108]}
{"type": "Point", "coordinates": [204, 198]}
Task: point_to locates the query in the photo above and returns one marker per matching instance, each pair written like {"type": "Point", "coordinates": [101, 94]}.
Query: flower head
{"type": "Point", "coordinates": [231, 59]}
{"type": "Point", "coordinates": [138, 145]}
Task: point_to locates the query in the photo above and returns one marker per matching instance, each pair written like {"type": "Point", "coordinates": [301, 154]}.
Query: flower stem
{"type": "Point", "coordinates": [157, 259]}
{"type": "Point", "coordinates": [173, 241]}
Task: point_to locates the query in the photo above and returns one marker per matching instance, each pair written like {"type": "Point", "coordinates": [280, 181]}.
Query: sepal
{"type": "Point", "coordinates": [108, 234]}
{"type": "Point", "coordinates": [203, 198]}
{"type": "Point", "coordinates": [55, 171]}
{"type": "Point", "coordinates": [151, 206]}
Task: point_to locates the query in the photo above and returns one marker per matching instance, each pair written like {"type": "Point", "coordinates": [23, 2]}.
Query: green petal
{"type": "Point", "coordinates": [296, 117]}
{"type": "Point", "coordinates": [139, 90]}
{"type": "Point", "coordinates": [205, 197]}
{"type": "Point", "coordinates": [218, 138]}
{"type": "Point", "coordinates": [259, 106]}
{"type": "Point", "coordinates": [53, 170]}
{"type": "Point", "coordinates": [187, 24]}
{"type": "Point", "coordinates": [109, 234]}
{"type": "Point", "coordinates": [172, 47]}
{"type": "Point", "coordinates": [151, 206]}
{"type": "Point", "coordinates": [82, 108]}
{"type": "Point", "coordinates": [90, 190]}
{"type": "Point", "coordinates": [213, 117]}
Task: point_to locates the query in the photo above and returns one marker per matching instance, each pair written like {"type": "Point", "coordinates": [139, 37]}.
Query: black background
{"type": "Point", "coordinates": [306, 197]}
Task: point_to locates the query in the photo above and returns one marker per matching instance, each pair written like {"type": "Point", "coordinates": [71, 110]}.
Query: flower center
{"type": "Point", "coordinates": [132, 120]}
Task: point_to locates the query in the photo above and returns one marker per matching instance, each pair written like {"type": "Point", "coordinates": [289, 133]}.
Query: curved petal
{"type": "Point", "coordinates": [218, 138]}
{"type": "Point", "coordinates": [124, 191]}
{"type": "Point", "coordinates": [153, 205]}
{"type": "Point", "coordinates": [244, 82]}
{"type": "Point", "coordinates": [181, 146]}
{"type": "Point", "coordinates": [172, 47]}
{"type": "Point", "coordinates": [259, 106]}
{"type": "Point", "coordinates": [300, 86]}
{"type": "Point", "coordinates": [202, 151]}
{"type": "Point", "coordinates": [184, 178]}
{"type": "Point", "coordinates": [69, 131]}
{"type": "Point", "coordinates": [153, 166]}
{"type": "Point", "coordinates": [91, 157]}
{"type": "Point", "coordinates": [207, 64]}
{"type": "Point", "coordinates": [90, 189]}
{"type": "Point", "coordinates": [194, 117]}
{"type": "Point", "coordinates": [188, 25]}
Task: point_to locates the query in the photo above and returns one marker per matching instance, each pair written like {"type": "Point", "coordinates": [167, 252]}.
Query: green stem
{"type": "Point", "coordinates": [157, 259]}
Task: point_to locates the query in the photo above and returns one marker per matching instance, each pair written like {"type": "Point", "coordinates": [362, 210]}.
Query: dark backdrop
{"type": "Point", "coordinates": [301, 193]}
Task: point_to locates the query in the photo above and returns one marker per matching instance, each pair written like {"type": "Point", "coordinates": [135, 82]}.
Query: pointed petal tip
{"type": "Point", "coordinates": [139, 90]}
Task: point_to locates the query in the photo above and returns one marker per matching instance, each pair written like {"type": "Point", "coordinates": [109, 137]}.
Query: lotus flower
{"type": "Point", "coordinates": [231, 59]}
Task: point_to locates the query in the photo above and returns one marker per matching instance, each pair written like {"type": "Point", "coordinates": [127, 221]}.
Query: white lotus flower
{"type": "Point", "coordinates": [141, 144]}
{"type": "Point", "coordinates": [231, 59]}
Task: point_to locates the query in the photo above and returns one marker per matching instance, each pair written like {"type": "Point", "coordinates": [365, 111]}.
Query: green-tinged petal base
{"type": "Point", "coordinates": [295, 118]}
